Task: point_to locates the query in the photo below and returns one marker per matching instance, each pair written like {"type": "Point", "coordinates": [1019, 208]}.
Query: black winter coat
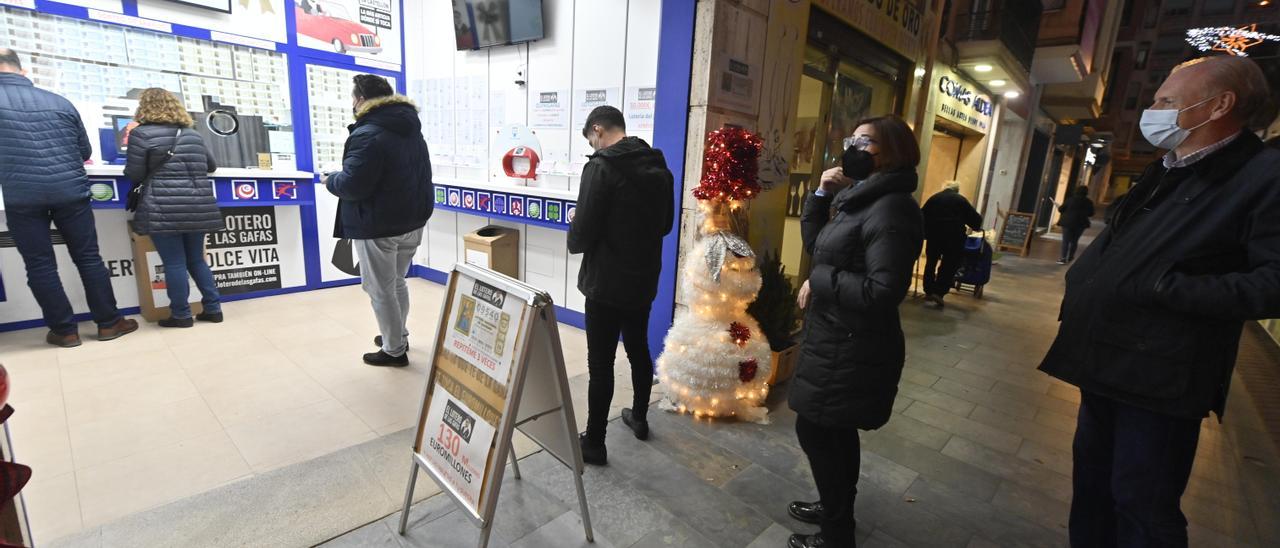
{"type": "Point", "coordinates": [1076, 212]}
{"type": "Point", "coordinates": [854, 348]}
{"type": "Point", "coordinates": [625, 207]}
{"type": "Point", "coordinates": [43, 146]}
{"type": "Point", "coordinates": [178, 196]}
{"type": "Point", "coordinates": [945, 216]}
{"type": "Point", "coordinates": [1154, 308]}
{"type": "Point", "coordinates": [384, 188]}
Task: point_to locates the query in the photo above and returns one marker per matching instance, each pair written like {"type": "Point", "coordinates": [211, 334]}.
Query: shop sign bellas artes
{"type": "Point", "coordinates": [961, 103]}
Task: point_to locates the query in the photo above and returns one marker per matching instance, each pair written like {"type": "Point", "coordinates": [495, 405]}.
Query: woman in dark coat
{"type": "Point", "coordinates": [864, 231]}
{"type": "Point", "coordinates": [178, 207]}
{"type": "Point", "coordinates": [1075, 212]}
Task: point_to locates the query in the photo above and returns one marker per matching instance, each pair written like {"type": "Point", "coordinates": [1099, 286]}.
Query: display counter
{"type": "Point", "coordinates": [262, 252]}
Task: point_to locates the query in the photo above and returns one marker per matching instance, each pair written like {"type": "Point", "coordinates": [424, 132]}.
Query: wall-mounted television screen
{"type": "Point", "coordinates": [486, 23]}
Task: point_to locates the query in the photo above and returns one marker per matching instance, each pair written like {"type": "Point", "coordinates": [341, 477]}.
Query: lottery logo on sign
{"type": "Point", "coordinates": [103, 191]}
{"type": "Point", "coordinates": [553, 211]}
{"type": "Point", "coordinates": [245, 190]}
{"type": "Point", "coordinates": [500, 203]}
{"type": "Point", "coordinates": [483, 201]}
{"type": "Point", "coordinates": [458, 420]}
{"type": "Point", "coordinates": [573, 210]}
{"type": "Point", "coordinates": [285, 190]}
{"type": "Point", "coordinates": [469, 199]}
{"type": "Point", "coordinates": [535, 208]}
{"type": "Point", "coordinates": [517, 206]}
{"type": "Point", "coordinates": [455, 198]}
{"type": "Point", "coordinates": [439, 195]}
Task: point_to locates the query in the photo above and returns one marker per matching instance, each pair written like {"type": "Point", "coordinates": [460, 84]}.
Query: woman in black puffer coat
{"type": "Point", "coordinates": [178, 207]}
{"type": "Point", "coordinates": [864, 231]}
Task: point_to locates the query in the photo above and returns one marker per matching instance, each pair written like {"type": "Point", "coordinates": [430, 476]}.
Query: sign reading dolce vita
{"type": "Point", "coordinates": [960, 102]}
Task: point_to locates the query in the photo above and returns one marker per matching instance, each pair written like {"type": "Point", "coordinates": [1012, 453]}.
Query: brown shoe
{"type": "Point", "coordinates": [121, 328]}
{"type": "Point", "coordinates": [71, 340]}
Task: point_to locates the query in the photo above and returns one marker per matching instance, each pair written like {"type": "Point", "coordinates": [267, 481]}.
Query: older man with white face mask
{"type": "Point", "coordinates": [1154, 308]}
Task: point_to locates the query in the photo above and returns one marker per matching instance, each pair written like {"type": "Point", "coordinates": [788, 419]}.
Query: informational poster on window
{"type": "Point", "coordinates": [639, 109]}
{"type": "Point", "coordinates": [257, 19]}
{"type": "Point", "coordinates": [366, 29]}
{"type": "Point", "coordinates": [246, 256]}
{"type": "Point", "coordinates": [585, 101]}
{"type": "Point", "coordinates": [549, 109]}
{"type": "Point", "coordinates": [482, 328]}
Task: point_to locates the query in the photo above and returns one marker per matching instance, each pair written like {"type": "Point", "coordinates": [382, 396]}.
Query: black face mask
{"type": "Point", "coordinates": [858, 164]}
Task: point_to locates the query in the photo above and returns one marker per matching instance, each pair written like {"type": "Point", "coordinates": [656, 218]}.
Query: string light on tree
{"type": "Point", "coordinates": [1229, 39]}
{"type": "Point", "coordinates": [714, 364]}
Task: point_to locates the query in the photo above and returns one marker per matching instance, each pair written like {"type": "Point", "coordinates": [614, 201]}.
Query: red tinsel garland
{"type": "Point", "coordinates": [740, 333]}
{"type": "Point", "coordinates": [729, 166]}
{"type": "Point", "coordinates": [747, 370]}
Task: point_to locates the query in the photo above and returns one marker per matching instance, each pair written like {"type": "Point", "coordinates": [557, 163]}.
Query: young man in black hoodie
{"type": "Point", "coordinates": [625, 208]}
{"type": "Point", "coordinates": [384, 192]}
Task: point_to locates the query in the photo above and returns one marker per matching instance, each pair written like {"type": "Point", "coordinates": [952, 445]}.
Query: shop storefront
{"type": "Point", "coordinates": [847, 76]}
{"type": "Point", "coordinates": [962, 123]}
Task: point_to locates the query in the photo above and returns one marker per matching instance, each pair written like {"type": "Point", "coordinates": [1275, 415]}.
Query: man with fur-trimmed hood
{"type": "Point", "coordinates": [385, 199]}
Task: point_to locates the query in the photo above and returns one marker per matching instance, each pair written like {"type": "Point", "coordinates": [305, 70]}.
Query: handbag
{"type": "Point", "coordinates": [135, 194]}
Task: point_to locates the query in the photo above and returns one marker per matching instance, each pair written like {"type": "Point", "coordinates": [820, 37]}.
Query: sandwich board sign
{"type": "Point", "coordinates": [497, 366]}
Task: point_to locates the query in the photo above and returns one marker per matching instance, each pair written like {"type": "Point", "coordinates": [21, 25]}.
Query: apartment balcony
{"type": "Point", "coordinates": [997, 43]}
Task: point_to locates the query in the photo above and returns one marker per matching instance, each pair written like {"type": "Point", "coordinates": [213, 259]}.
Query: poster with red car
{"type": "Point", "coordinates": [365, 29]}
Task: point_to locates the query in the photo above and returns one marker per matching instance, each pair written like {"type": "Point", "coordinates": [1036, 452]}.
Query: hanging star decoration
{"type": "Point", "coordinates": [730, 166]}
{"type": "Point", "coordinates": [1229, 39]}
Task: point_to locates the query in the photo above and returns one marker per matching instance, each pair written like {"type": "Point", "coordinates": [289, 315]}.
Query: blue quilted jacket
{"type": "Point", "coordinates": [43, 146]}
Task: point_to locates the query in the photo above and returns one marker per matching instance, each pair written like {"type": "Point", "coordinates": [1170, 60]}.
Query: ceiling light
{"type": "Point", "coordinates": [919, 72]}
{"type": "Point", "coordinates": [997, 83]}
{"type": "Point", "coordinates": [982, 68]}
{"type": "Point", "coordinates": [1011, 94]}
{"type": "Point", "coordinates": [1097, 145]}
{"type": "Point", "coordinates": [1264, 3]}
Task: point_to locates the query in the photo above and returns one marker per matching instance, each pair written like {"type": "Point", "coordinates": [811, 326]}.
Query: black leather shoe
{"type": "Point", "coordinates": [808, 512]}
{"type": "Point", "coordinates": [639, 427]}
{"type": "Point", "coordinates": [593, 452]}
{"type": "Point", "coordinates": [211, 317]}
{"type": "Point", "coordinates": [377, 341]}
{"type": "Point", "coordinates": [383, 359]}
{"type": "Point", "coordinates": [807, 541]}
{"type": "Point", "coordinates": [176, 322]}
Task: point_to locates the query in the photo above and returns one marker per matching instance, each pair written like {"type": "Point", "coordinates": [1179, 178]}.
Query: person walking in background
{"type": "Point", "coordinates": [177, 207]}
{"type": "Point", "coordinates": [625, 208]}
{"type": "Point", "coordinates": [43, 148]}
{"type": "Point", "coordinates": [384, 195]}
{"type": "Point", "coordinates": [1154, 308]}
{"type": "Point", "coordinates": [946, 214]}
{"type": "Point", "coordinates": [1075, 214]}
{"type": "Point", "coordinates": [854, 349]}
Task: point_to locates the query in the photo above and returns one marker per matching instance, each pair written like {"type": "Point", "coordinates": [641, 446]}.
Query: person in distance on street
{"type": "Point", "coordinates": [946, 214]}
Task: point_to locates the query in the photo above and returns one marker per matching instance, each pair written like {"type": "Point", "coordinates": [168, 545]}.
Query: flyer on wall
{"type": "Point", "coordinates": [483, 327]}
{"type": "Point", "coordinates": [365, 29]}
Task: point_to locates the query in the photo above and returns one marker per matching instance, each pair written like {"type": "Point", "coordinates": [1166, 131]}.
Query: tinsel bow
{"type": "Point", "coordinates": [718, 252]}
{"type": "Point", "coordinates": [747, 370]}
{"type": "Point", "coordinates": [740, 333]}
{"type": "Point", "coordinates": [729, 166]}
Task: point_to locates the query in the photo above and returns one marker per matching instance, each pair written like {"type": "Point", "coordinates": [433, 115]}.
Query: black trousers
{"type": "Point", "coordinates": [604, 324]}
{"type": "Point", "coordinates": [834, 457]}
{"type": "Point", "coordinates": [1130, 467]}
{"type": "Point", "coordinates": [1070, 241]}
{"type": "Point", "coordinates": [939, 279]}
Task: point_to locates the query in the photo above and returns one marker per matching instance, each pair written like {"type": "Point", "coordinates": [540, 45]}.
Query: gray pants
{"type": "Point", "coordinates": [384, 262]}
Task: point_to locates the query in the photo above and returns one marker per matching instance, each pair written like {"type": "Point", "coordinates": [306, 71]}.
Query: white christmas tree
{"type": "Point", "coordinates": [715, 360]}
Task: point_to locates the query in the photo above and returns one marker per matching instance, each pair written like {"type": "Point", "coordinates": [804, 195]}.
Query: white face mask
{"type": "Point", "coordinates": [1161, 129]}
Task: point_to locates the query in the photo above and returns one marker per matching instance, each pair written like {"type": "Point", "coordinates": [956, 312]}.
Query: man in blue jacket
{"type": "Point", "coordinates": [43, 148]}
{"type": "Point", "coordinates": [384, 192]}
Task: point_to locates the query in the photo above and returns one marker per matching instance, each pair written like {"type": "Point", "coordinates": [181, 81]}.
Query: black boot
{"type": "Point", "coordinates": [383, 359]}
{"type": "Point", "coordinates": [808, 541]}
{"type": "Point", "coordinates": [808, 512]}
{"type": "Point", "coordinates": [593, 452]}
{"type": "Point", "coordinates": [638, 424]}
{"type": "Point", "coordinates": [176, 322]}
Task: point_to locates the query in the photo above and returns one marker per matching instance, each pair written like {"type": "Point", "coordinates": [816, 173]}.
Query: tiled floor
{"type": "Point", "coordinates": [114, 428]}
{"type": "Point", "coordinates": [291, 442]}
